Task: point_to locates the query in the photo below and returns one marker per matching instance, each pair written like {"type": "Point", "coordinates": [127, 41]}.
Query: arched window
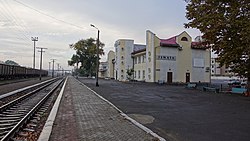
{"type": "Point", "coordinates": [184, 39]}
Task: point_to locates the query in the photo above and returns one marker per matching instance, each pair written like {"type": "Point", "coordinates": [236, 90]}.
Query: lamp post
{"type": "Point", "coordinates": [97, 53]}
{"type": "Point", "coordinates": [113, 62]}
{"type": "Point", "coordinates": [34, 39]}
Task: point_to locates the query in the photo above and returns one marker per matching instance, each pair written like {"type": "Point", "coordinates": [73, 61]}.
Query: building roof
{"type": "Point", "coordinates": [199, 45]}
{"type": "Point", "coordinates": [170, 42]}
{"type": "Point", "coordinates": [138, 51]}
{"type": "Point", "coordinates": [138, 47]}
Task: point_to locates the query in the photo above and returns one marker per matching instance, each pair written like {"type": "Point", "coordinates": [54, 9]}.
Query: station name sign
{"type": "Point", "coordinates": [162, 57]}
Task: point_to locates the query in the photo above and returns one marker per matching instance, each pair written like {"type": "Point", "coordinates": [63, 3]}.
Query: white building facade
{"type": "Point", "coordinates": [123, 60]}
{"type": "Point", "coordinates": [176, 59]}
{"type": "Point", "coordinates": [111, 64]}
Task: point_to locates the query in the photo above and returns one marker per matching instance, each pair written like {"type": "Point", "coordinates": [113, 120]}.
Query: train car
{"type": "Point", "coordinates": [1, 71]}
{"type": "Point", "coordinates": [13, 72]}
{"type": "Point", "coordinates": [5, 71]}
{"type": "Point", "coordinates": [19, 72]}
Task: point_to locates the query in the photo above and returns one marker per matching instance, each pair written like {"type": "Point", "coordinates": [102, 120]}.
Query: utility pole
{"type": "Point", "coordinates": [49, 67]}
{"type": "Point", "coordinates": [34, 39]}
{"type": "Point", "coordinates": [58, 69]}
{"type": "Point", "coordinates": [97, 53]}
{"type": "Point", "coordinates": [41, 60]}
{"type": "Point", "coordinates": [53, 61]}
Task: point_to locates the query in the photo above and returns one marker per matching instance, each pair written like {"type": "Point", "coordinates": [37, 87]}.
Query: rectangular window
{"type": "Point", "coordinates": [143, 74]}
{"type": "Point", "coordinates": [139, 73]}
{"type": "Point", "coordinates": [149, 70]}
{"type": "Point", "coordinates": [135, 74]}
{"type": "Point", "coordinates": [143, 58]}
{"type": "Point", "coordinates": [135, 60]}
{"type": "Point", "coordinates": [139, 59]}
{"type": "Point", "coordinates": [198, 62]}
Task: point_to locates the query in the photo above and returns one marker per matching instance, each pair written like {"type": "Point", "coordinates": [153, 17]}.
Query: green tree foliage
{"type": "Point", "coordinates": [75, 59]}
{"type": "Point", "coordinates": [130, 72]}
{"type": "Point", "coordinates": [86, 55]}
{"type": "Point", "coordinates": [225, 25]}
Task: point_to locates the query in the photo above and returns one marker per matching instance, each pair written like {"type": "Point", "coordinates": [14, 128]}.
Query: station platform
{"type": "Point", "coordinates": [80, 114]}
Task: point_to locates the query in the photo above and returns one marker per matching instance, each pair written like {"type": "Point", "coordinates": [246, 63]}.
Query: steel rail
{"type": "Point", "coordinates": [5, 106]}
{"type": "Point", "coordinates": [23, 89]}
{"type": "Point", "coordinates": [24, 120]}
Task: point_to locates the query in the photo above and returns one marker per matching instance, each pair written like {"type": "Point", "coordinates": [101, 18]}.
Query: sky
{"type": "Point", "coordinates": [59, 23]}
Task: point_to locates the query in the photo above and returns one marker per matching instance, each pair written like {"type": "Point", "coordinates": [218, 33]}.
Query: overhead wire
{"type": "Point", "coordinates": [17, 26]}
{"type": "Point", "coordinates": [50, 17]}
{"type": "Point", "coordinates": [22, 30]}
{"type": "Point", "coordinates": [43, 13]}
{"type": "Point", "coordinates": [23, 26]}
{"type": "Point", "coordinates": [7, 17]}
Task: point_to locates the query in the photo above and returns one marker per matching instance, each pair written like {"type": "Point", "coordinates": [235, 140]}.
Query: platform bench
{"type": "Point", "coordinates": [216, 90]}
{"type": "Point", "coordinates": [191, 85]}
{"type": "Point", "coordinates": [238, 90]}
{"type": "Point", "coordinates": [161, 82]}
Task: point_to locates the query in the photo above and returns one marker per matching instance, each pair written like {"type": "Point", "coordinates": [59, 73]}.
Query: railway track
{"type": "Point", "coordinates": [20, 116]}
{"type": "Point", "coordinates": [7, 97]}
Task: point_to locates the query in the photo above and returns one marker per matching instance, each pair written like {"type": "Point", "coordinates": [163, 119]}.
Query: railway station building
{"type": "Point", "coordinates": [175, 59]}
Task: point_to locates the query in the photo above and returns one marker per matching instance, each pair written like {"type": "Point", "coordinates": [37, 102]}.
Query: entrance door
{"type": "Point", "coordinates": [115, 75]}
{"type": "Point", "coordinates": [170, 77]}
{"type": "Point", "coordinates": [187, 77]}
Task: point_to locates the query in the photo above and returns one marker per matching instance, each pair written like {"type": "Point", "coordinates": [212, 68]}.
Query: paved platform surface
{"type": "Point", "coordinates": [83, 116]}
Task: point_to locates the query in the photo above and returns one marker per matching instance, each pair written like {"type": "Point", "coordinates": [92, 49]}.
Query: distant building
{"type": "Point", "coordinates": [176, 59]}
{"type": "Point", "coordinates": [215, 67]}
{"type": "Point", "coordinates": [103, 69]}
{"type": "Point", "coordinates": [123, 60]}
{"type": "Point", "coordinates": [216, 70]}
{"type": "Point", "coordinates": [111, 64]}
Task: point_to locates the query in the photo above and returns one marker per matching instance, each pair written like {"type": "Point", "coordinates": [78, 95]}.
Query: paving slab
{"type": "Point", "coordinates": [84, 116]}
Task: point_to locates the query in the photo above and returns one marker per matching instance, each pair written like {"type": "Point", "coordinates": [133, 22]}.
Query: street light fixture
{"type": "Point", "coordinates": [113, 62]}
{"type": "Point", "coordinates": [97, 53]}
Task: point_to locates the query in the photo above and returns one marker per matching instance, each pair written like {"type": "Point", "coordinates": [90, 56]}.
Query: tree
{"type": "Point", "coordinates": [10, 62]}
{"type": "Point", "coordinates": [75, 59]}
{"type": "Point", "coordinates": [86, 55]}
{"type": "Point", "coordinates": [225, 25]}
{"type": "Point", "coordinates": [130, 73]}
